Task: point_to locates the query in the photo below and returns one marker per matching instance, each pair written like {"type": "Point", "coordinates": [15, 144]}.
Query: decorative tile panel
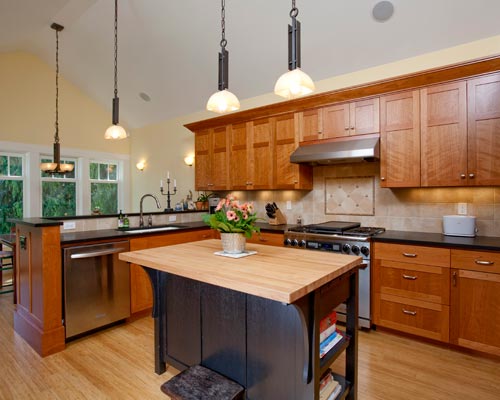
{"type": "Point", "coordinates": [350, 195]}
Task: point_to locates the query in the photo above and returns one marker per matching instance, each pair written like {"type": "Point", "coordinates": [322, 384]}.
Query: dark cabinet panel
{"type": "Point", "coordinates": [223, 326]}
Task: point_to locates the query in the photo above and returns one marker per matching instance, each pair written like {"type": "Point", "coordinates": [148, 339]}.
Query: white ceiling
{"type": "Point", "coordinates": [168, 49]}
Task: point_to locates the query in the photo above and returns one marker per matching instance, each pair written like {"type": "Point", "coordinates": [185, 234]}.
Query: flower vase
{"type": "Point", "coordinates": [233, 243]}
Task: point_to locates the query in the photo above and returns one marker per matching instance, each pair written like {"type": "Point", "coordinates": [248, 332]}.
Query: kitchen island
{"type": "Point", "coordinates": [254, 319]}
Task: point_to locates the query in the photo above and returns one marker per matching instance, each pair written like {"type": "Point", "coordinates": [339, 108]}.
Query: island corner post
{"type": "Point", "coordinates": [263, 335]}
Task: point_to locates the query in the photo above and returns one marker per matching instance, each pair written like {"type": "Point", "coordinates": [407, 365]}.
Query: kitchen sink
{"type": "Point", "coordinates": [152, 229]}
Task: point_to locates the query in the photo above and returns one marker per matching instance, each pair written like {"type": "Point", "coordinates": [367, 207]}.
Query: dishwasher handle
{"type": "Point", "coordinates": [98, 253]}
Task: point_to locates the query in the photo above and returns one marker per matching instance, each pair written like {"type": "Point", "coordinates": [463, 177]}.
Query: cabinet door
{"type": "Point", "coordinates": [238, 170]}
{"type": "Point", "coordinates": [364, 117]}
{"type": "Point", "coordinates": [400, 140]}
{"type": "Point", "coordinates": [269, 238]}
{"type": "Point", "coordinates": [484, 130]}
{"type": "Point", "coordinates": [475, 310]}
{"type": "Point", "coordinates": [202, 166]}
{"type": "Point", "coordinates": [444, 135]}
{"type": "Point", "coordinates": [219, 170]}
{"type": "Point", "coordinates": [260, 156]}
{"type": "Point", "coordinates": [336, 121]}
{"type": "Point", "coordinates": [310, 124]}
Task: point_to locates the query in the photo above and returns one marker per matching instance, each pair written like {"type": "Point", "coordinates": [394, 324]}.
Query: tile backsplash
{"type": "Point", "coordinates": [405, 209]}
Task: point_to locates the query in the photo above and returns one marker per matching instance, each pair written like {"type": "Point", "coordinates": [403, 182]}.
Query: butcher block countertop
{"type": "Point", "coordinates": [274, 273]}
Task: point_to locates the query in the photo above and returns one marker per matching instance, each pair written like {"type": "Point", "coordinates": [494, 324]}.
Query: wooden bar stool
{"type": "Point", "coordinates": [6, 264]}
{"type": "Point", "coordinates": [200, 383]}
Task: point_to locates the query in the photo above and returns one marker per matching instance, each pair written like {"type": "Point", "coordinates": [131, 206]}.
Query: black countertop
{"type": "Point", "coordinates": [75, 237]}
{"type": "Point", "coordinates": [439, 240]}
{"type": "Point", "coordinates": [37, 222]}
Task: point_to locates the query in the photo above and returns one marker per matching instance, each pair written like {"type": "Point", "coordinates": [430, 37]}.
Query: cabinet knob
{"type": "Point", "coordinates": [408, 312]}
{"type": "Point", "coordinates": [462, 176]}
{"type": "Point", "coordinates": [210, 184]}
{"type": "Point", "coordinates": [471, 176]}
{"type": "Point", "coordinates": [382, 178]}
{"type": "Point", "coordinates": [352, 128]}
{"type": "Point", "coordinates": [409, 277]}
{"type": "Point", "coordinates": [249, 183]}
{"type": "Point", "coordinates": [484, 262]}
{"type": "Point", "coordinates": [346, 128]}
{"type": "Point", "coordinates": [411, 255]}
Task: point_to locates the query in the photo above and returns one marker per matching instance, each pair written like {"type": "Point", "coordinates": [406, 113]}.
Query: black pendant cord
{"type": "Point", "coordinates": [224, 54]}
{"type": "Point", "coordinates": [294, 39]}
{"type": "Point", "coordinates": [56, 136]}
{"type": "Point", "coordinates": [116, 48]}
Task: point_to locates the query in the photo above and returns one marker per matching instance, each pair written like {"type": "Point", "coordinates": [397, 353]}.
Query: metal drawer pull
{"type": "Point", "coordinates": [409, 277]}
{"type": "Point", "coordinates": [409, 255]}
{"type": "Point", "coordinates": [409, 312]}
{"type": "Point", "coordinates": [481, 262]}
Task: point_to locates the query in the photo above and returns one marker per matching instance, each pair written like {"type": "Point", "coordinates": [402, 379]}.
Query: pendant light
{"type": "Point", "coordinates": [115, 131]}
{"type": "Point", "coordinates": [223, 100]}
{"type": "Point", "coordinates": [56, 167]}
{"type": "Point", "coordinates": [295, 82]}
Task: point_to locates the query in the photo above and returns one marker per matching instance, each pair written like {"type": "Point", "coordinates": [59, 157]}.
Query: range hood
{"type": "Point", "coordinates": [342, 151]}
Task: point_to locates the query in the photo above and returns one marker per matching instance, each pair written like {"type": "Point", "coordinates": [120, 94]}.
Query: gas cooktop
{"type": "Point", "coordinates": [338, 228]}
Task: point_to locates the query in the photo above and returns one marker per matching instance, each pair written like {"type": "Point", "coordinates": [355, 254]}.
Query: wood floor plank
{"type": "Point", "coordinates": [118, 363]}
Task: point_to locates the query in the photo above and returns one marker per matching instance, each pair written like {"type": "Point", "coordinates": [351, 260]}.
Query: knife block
{"type": "Point", "coordinates": [279, 218]}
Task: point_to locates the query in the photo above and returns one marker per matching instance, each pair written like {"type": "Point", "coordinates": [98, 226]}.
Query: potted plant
{"type": "Point", "coordinates": [234, 221]}
{"type": "Point", "coordinates": [202, 201]}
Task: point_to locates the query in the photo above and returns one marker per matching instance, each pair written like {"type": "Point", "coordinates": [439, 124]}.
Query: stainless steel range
{"type": "Point", "coordinates": [340, 237]}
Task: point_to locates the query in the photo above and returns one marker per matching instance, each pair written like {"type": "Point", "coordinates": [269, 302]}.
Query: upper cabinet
{"type": "Point", "coordinates": [483, 156]}
{"type": "Point", "coordinates": [400, 139]}
{"type": "Point", "coordinates": [211, 153]}
{"type": "Point", "coordinates": [310, 124]}
{"type": "Point", "coordinates": [348, 119]}
{"type": "Point", "coordinates": [444, 135]}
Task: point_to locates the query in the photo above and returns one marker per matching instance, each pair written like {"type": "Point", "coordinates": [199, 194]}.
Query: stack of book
{"type": "Point", "coordinates": [329, 388]}
{"type": "Point", "coordinates": [328, 334]}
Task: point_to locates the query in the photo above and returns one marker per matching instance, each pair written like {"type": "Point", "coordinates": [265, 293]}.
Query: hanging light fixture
{"type": "Point", "coordinates": [56, 167]}
{"type": "Point", "coordinates": [116, 131]}
{"type": "Point", "coordinates": [295, 82]}
{"type": "Point", "coordinates": [223, 100]}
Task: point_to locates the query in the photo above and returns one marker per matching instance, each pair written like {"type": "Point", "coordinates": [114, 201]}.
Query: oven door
{"type": "Point", "coordinates": [364, 298]}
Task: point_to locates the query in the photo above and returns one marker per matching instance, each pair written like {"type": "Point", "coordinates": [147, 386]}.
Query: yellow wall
{"type": "Point", "coordinates": [164, 145]}
{"type": "Point", "coordinates": [27, 108]}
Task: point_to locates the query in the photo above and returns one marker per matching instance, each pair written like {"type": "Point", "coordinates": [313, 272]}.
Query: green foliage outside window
{"type": "Point", "coordinates": [104, 196]}
{"type": "Point", "coordinates": [11, 202]}
{"type": "Point", "coordinates": [59, 199]}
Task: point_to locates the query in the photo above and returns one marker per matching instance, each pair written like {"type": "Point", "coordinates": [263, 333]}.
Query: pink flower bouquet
{"type": "Point", "coordinates": [232, 217]}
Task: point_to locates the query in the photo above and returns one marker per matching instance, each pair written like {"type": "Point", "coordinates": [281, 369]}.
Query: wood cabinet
{"type": "Point", "coordinates": [211, 159]}
{"type": "Point", "coordinates": [483, 135]}
{"type": "Point", "coordinates": [141, 296]}
{"type": "Point", "coordinates": [400, 139]}
{"type": "Point", "coordinates": [269, 238]}
{"type": "Point", "coordinates": [411, 289]}
{"type": "Point", "coordinates": [310, 125]}
{"type": "Point", "coordinates": [475, 300]}
{"type": "Point", "coordinates": [444, 135]}
{"type": "Point", "coordinates": [348, 119]}
{"type": "Point", "coordinates": [260, 156]}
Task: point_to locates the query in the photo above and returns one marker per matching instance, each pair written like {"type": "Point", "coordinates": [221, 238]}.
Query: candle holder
{"type": "Point", "coordinates": [168, 194]}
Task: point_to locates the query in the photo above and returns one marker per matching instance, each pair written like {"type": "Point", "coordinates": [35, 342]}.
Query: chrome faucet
{"type": "Point", "coordinates": [141, 219]}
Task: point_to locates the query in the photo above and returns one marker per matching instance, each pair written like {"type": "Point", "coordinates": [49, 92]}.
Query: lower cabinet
{"type": "Point", "coordinates": [141, 295]}
{"type": "Point", "coordinates": [475, 297]}
{"type": "Point", "coordinates": [269, 238]}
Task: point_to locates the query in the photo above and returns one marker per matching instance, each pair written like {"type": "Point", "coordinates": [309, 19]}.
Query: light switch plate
{"type": "Point", "coordinates": [289, 204]}
{"type": "Point", "coordinates": [462, 209]}
{"type": "Point", "coordinates": [172, 218]}
{"type": "Point", "coordinates": [69, 225]}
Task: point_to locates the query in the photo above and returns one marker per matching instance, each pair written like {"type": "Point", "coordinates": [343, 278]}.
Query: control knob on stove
{"type": "Point", "coordinates": [346, 248]}
{"type": "Point", "coordinates": [365, 251]}
{"type": "Point", "coordinates": [295, 242]}
{"type": "Point", "coordinates": [287, 242]}
{"type": "Point", "coordinates": [302, 243]}
{"type": "Point", "coordinates": [355, 249]}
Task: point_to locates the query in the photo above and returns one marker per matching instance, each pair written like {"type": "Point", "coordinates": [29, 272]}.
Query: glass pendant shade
{"type": "Point", "coordinates": [48, 166]}
{"type": "Point", "coordinates": [115, 132]}
{"type": "Point", "coordinates": [293, 84]}
{"type": "Point", "coordinates": [223, 101]}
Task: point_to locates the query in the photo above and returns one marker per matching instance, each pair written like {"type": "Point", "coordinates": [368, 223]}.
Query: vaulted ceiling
{"type": "Point", "coordinates": [168, 49]}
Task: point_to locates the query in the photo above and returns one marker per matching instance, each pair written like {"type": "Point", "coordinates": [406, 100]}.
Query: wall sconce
{"type": "Point", "coordinates": [189, 160]}
{"type": "Point", "coordinates": [141, 165]}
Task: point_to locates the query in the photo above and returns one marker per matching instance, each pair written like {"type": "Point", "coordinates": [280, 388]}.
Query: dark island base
{"type": "Point", "coordinates": [270, 348]}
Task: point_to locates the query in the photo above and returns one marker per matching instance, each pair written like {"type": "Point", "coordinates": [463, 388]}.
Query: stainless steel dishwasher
{"type": "Point", "coordinates": [96, 286]}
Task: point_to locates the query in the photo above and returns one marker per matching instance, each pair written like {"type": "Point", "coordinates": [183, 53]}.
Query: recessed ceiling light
{"type": "Point", "coordinates": [382, 11]}
{"type": "Point", "coordinates": [144, 96]}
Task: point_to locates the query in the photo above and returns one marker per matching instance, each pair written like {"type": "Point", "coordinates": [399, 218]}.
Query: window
{"type": "Point", "coordinates": [11, 189]}
{"type": "Point", "coordinates": [103, 187]}
{"type": "Point", "coordinates": [58, 192]}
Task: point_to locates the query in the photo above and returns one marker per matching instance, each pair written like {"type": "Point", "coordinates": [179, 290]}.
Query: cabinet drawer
{"type": "Point", "coordinates": [412, 316]}
{"type": "Point", "coordinates": [484, 261]}
{"type": "Point", "coordinates": [272, 239]}
{"type": "Point", "coordinates": [413, 254]}
{"type": "Point", "coordinates": [419, 282]}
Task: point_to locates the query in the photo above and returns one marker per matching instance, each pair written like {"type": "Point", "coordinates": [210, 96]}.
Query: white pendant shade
{"type": "Point", "coordinates": [52, 167]}
{"type": "Point", "coordinates": [48, 166]}
{"type": "Point", "coordinates": [115, 132]}
{"type": "Point", "coordinates": [293, 84]}
{"type": "Point", "coordinates": [223, 101]}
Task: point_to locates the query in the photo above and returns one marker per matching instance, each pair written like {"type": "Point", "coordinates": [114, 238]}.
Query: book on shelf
{"type": "Point", "coordinates": [325, 379]}
{"type": "Point", "coordinates": [328, 390]}
{"type": "Point", "coordinates": [328, 321]}
{"type": "Point", "coordinates": [329, 343]}
{"type": "Point", "coordinates": [335, 392]}
{"type": "Point", "coordinates": [327, 332]}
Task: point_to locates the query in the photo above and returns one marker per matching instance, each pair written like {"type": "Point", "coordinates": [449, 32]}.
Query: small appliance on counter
{"type": "Point", "coordinates": [275, 215]}
{"type": "Point", "coordinates": [459, 225]}
{"type": "Point", "coordinates": [212, 204]}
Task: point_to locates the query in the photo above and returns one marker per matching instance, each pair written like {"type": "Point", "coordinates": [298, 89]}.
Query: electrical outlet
{"type": "Point", "coordinates": [69, 225]}
{"type": "Point", "coordinates": [289, 204]}
{"type": "Point", "coordinates": [462, 209]}
{"type": "Point", "coordinates": [172, 218]}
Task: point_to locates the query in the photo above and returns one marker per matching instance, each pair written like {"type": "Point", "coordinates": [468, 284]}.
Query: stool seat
{"type": "Point", "coordinates": [200, 383]}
